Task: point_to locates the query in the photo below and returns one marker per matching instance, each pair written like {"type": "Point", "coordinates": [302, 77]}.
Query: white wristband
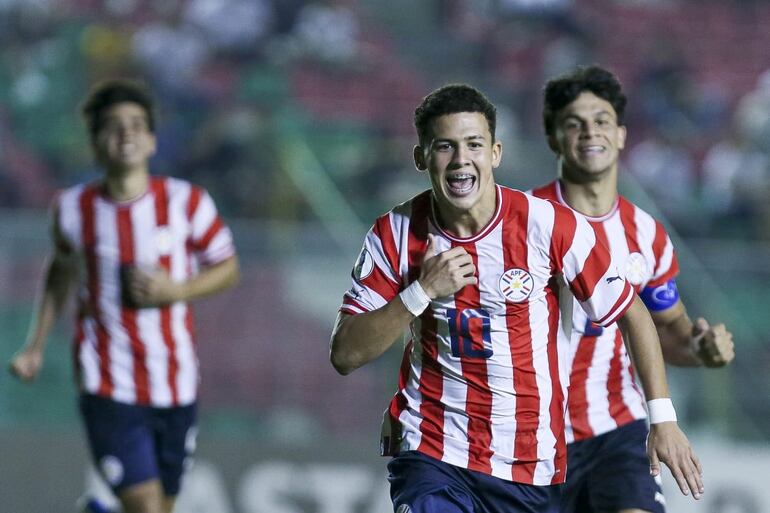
{"type": "Point", "coordinates": [414, 298]}
{"type": "Point", "coordinates": [661, 410]}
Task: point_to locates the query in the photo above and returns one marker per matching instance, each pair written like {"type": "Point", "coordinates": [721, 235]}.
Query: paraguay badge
{"type": "Point", "coordinates": [636, 268]}
{"type": "Point", "coordinates": [516, 285]}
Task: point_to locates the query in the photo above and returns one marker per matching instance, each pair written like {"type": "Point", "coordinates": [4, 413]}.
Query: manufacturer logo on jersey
{"type": "Point", "coordinates": [364, 265]}
{"type": "Point", "coordinates": [404, 508]}
{"type": "Point", "coordinates": [112, 469]}
{"type": "Point", "coordinates": [516, 285]}
{"type": "Point", "coordinates": [636, 269]}
{"type": "Point", "coordinates": [163, 240]}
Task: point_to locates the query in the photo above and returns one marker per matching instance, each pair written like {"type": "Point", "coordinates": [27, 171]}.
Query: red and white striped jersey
{"type": "Point", "coordinates": [603, 394]}
{"type": "Point", "coordinates": [144, 356]}
{"type": "Point", "coordinates": [483, 380]}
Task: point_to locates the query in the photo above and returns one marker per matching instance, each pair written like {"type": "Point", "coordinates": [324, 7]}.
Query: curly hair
{"type": "Point", "coordinates": [451, 99]}
{"type": "Point", "coordinates": [109, 92]}
{"type": "Point", "coordinates": [564, 89]}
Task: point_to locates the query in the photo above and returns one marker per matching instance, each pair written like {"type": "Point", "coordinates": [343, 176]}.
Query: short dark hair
{"type": "Point", "coordinates": [107, 93]}
{"type": "Point", "coordinates": [452, 99]}
{"type": "Point", "coordinates": [564, 89]}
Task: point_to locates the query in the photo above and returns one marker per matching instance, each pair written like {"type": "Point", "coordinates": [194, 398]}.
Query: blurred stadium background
{"type": "Point", "coordinates": [296, 116]}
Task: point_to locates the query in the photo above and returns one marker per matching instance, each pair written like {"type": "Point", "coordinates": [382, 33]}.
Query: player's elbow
{"type": "Point", "coordinates": [341, 360]}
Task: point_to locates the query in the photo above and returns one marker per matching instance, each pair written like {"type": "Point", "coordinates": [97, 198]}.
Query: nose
{"type": "Point", "coordinates": [460, 156]}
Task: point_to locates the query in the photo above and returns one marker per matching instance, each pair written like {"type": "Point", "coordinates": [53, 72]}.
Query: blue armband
{"type": "Point", "coordinates": [661, 297]}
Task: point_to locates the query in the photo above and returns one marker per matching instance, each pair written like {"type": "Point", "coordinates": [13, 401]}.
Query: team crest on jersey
{"type": "Point", "coordinates": [163, 239]}
{"type": "Point", "coordinates": [364, 265]}
{"type": "Point", "coordinates": [516, 285]}
{"type": "Point", "coordinates": [636, 269]}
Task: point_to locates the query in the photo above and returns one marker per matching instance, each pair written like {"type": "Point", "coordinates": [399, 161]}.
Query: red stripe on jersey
{"type": "Point", "coordinates": [578, 391]}
{"type": "Point", "coordinates": [384, 232]}
{"type": "Point", "coordinates": [128, 314]}
{"type": "Point", "coordinates": [348, 301]}
{"type": "Point", "coordinates": [431, 378]}
{"type": "Point", "coordinates": [564, 225]}
{"type": "Point", "coordinates": [547, 192]}
{"type": "Point", "coordinates": [556, 408]}
{"type": "Point", "coordinates": [212, 232]}
{"type": "Point", "coordinates": [595, 266]}
{"type": "Point", "coordinates": [619, 411]}
{"type": "Point", "coordinates": [381, 283]}
{"type": "Point", "coordinates": [193, 201]}
{"type": "Point", "coordinates": [628, 221]}
{"type": "Point", "coordinates": [658, 246]}
{"type": "Point", "coordinates": [617, 310]}
{"type": "Point", "coordinates": [88, 225]}
{"type": "Point", "coordinates": [164, 262]}
{"type": "Point", "coordinates": [398, 403]}
{"type": "Point", "coordinates": [515, 254]}
{"type": "Point", "coordinates": [478, 400]}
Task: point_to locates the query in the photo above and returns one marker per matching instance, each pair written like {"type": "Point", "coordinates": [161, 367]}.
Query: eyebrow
{"type": "Point", "coordinates": [595, 114]}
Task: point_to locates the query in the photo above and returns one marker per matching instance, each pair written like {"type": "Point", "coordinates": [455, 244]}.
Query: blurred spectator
{"type": "Point", "coordinates": [327, 30]}
{"type": "Point", "coordinates": [666, 170]}
{"type": "Point", "coordinates": [736, 184]}
{"type": "Point", "coordinates": [753, 113]}
{"type": "Point", "coordinates": [231, 25]}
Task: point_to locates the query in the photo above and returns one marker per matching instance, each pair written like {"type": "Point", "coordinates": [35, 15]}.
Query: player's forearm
{"type": "Point", "coordinates": [677, 343]}
{"type": "Point", "coordinates": [359, 339]}
{"type": "Point", "coordinates": [50, 303]}
{"type": "Point", "coordinates": [211, 280]}
{"type": "Point", "coordinates": [643, 345]}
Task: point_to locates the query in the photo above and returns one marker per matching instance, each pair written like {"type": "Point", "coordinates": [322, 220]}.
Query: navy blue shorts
{"type": "Point", "coordinates": [611, 472]}
{"type": "Point", "coordinates": [132, 444]}
{"type": "Point", "coordinates": [421, 484]}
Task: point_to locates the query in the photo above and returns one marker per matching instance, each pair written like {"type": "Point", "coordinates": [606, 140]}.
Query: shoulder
{"type": "Point", "coordinates": [641, 217]}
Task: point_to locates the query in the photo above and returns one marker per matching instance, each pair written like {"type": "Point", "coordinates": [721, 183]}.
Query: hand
{"type": "Point", "coordinates": [445, 273]}
{"type": "Point", "coordinates": [713, 344]}
{"type": "Point", "coordinates": [668, 444]}
{"type": "Point", "coordinates": [153, 288]}
{"type": "Point", "coordinates": [26, 364]}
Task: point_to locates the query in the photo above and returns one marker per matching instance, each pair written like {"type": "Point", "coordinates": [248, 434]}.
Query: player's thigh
{"type": "Point", "coordinates": [121, 440]}
{"type": "Point", "coordinates": [573, 496]}
{"type": "Point", "coordinates": [419, 484]}
{"type": "Point", "coordinates": [175, 440]}
{"type": "Point", "coordinates": [621, 480]}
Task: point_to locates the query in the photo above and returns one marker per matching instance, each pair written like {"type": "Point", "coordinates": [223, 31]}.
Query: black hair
{"type": "Point", "coordinates": [109, 92]}
{"type": "Point", "coordinates": [452, 99]}
{"type": "Point", "coordinates": [564, 89]}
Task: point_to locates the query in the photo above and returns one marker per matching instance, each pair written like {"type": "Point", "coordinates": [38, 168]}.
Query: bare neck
{"type": "Point", "coordinates": [126, 185]}
{"type": "Point", "coordinates": [591, 198]}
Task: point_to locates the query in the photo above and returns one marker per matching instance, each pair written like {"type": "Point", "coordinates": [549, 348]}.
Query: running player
{"type": "Point", "coordinates": [608, 468]}
{"type": "Point", "coordinates": [139, 247]}
{"type": "Point", "coordinates": [477, 423]}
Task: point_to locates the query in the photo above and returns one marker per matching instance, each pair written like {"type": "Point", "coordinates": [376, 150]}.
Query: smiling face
{"type": "Point", "coordinates": [588, 138]}
{"type": "Point", "coordinates": [459, 156]}
{"type": "Point", "coordinates": [124, 141]}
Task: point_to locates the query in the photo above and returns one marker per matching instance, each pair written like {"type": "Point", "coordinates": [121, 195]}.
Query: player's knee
{"type": "Point", "coordinates": [144, 497]}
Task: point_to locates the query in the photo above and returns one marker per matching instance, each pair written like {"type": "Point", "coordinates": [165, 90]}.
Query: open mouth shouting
{"type": "Point", "coordinates": [461, 184]}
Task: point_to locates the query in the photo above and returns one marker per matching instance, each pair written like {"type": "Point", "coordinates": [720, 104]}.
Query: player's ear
{"type": "Point", "coordinates": [554, 144]}
{"type": "Point", "coordinates": [419, 158]}
{"type": "Point", "coordinates": [497, 153]}
{"type": "Point", "coordinates": [621, 137]}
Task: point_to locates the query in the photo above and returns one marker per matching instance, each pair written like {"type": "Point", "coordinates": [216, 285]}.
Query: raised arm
{"type": "Point", "coordinates": [688, 344]}
{"type": "Point", "coordinates": [666, 441]}
{"type": "Point", "coordinates": [359, 339]}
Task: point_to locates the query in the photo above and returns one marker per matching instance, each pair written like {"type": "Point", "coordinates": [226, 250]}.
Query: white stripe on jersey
{"type": "Point", "coordinates": [111, 336]}
{"type": "Point", "coordinates": [398, 237]}
{"type": "Point", "coordinates": [626, 402]}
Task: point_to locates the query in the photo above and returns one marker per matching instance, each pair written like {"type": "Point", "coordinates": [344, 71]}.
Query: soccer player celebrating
{"type": "Point", "coordinates": [477, 423]}
{"type": "Point", "coordinates": [139, 247]}
{"type": "Point", "coordinates": [608, 468]}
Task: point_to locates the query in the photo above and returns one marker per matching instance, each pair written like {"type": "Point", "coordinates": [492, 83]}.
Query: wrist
{"type": "Point", "coordinates": [414, 298]}
{"type": "Point", "coordinates": [661, 410]}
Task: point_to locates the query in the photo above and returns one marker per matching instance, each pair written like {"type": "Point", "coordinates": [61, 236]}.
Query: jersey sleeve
{"type": "Point", "coordinates": [666, 265]}
{"type": "Point", "coordinates": [374, 279]}
{"type": "Point", "coordinates": [211, 240]}
{"type": "Point", "coordinates": [596, 281]}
